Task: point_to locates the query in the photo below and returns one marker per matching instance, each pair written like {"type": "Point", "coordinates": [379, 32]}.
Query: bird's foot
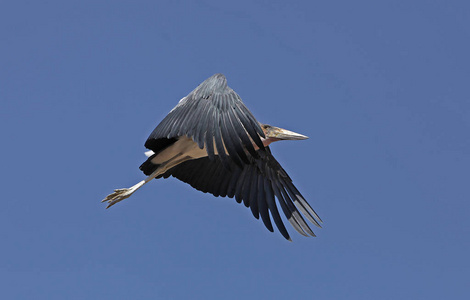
{"type": "Point", "coordinates": [117, 196]}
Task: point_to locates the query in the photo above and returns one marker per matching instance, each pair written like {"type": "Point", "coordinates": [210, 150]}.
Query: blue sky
{"type": "Point", "coordinates": [380, 87]}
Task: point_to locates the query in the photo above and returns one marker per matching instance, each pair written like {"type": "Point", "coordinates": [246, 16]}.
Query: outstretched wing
{"type": "Point", "coordinates": [212, 114]}
{"type": "Point", "coordinates": [257, 184]}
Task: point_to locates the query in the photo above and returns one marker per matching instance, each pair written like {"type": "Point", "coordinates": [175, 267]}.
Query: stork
{"type": "Point", "coordinates": [211, 141]}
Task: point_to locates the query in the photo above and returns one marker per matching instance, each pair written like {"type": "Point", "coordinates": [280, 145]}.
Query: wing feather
{"type": "Point", "coordinates": [263, 204]}
{"type": "Point", "coordinates": [211, 114]}
{"type": "Point", "coordinates": [257, 185]}
{"type": "Point", "coordinates": [253, 193]}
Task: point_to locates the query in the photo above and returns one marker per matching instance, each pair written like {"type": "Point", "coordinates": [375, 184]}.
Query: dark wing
{"type": "Point", "coordinates": [256, 184]}
{"type": "Point", "coordinates": [212, 115]}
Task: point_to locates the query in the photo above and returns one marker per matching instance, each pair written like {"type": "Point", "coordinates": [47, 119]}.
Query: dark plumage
{"type": "Point", "coordinates": [211, 141]}
{"type": "Point", "coordinates": [212, 112]}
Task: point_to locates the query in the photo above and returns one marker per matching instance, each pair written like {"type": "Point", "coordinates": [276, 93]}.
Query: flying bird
{"type": "Point", "coordinates": [211, 141]}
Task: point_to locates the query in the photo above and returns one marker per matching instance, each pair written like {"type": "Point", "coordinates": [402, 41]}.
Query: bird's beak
{"type": "Point", "coordinates": [284, 134]}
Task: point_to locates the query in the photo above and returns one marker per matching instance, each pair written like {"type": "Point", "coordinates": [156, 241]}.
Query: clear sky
{"type": "Point", "coordinates": [382, 88]}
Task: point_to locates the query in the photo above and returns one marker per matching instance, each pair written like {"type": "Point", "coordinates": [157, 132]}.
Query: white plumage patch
{"type": "Point", "coordinates": [149, 153]}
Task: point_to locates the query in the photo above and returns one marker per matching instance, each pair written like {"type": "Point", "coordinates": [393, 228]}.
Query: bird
{"type": "Point", "coordinates": [211, 141]}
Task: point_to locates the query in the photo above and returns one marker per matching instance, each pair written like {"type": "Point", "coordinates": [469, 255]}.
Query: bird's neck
{"type": "Point", "coordinates": [268, 140]}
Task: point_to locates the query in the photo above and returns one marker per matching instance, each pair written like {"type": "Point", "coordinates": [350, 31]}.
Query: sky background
{"type": "Point", "coordinates": [382, 88]}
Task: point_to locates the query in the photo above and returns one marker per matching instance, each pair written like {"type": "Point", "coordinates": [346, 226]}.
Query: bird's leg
{"type": "Point", "coordinates": [121, 194]}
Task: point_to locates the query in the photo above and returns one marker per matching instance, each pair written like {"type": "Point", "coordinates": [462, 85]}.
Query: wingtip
{"type": "Point", "coordinates": [219, 76]}
{"type": "Point", "coordinates": [218, 79]}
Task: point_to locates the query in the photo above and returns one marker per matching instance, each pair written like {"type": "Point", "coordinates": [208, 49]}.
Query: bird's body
{"type": "Point", "coordinates": [212, 141]}
{"type": "Point", "coordinates": [183, 145]}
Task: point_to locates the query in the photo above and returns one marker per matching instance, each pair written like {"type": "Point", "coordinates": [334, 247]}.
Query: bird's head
{"type": "Point", "coordinates": [274, 134]}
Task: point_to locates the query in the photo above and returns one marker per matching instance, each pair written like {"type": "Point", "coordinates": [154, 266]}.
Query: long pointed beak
{"type": "Point", "coordinates": [284, 134]}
